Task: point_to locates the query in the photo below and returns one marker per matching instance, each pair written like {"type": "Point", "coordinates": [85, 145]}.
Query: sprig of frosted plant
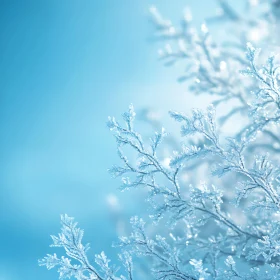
{"type": "Point", "coordinates": [264, 111]}
{"type": "Point", "coordinates": [163, 183]}
{"type": "Point", "coordinates": [76, 264]}
{"type": "Point", "coordinates": [212, 64]}
{"type": "Point", "coordinates": [264, 108]}
{"type": "Point", "coordinates": [196, 207]}
{"type": "Point", "coordinates": [231, 157]}
{"type": "Point", "coordinates": [167, 262]}
{"type": "Point", "coordinates": [206, 65]}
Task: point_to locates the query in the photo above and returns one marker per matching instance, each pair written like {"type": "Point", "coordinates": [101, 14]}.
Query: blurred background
{"type": "Point", "coordinates": [64, 67]}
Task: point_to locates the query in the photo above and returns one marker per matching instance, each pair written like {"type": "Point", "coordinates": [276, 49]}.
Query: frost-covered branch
{"type": "Point", "coordinates": [70, 239]}
{"type": "Point", "coordinates": [206, 201]}
{"type": "Point", "coordinates": [211, 62]}
{"type": "Point", "coordinates": [168, 264]}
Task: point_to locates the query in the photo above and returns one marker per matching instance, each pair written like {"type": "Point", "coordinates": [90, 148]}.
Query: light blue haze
{"type": "Point", "coordinates": [64, 67]}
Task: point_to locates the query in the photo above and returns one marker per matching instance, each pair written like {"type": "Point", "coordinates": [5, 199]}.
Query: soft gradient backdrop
{"type": "Point", "coordinates": [65, 66]}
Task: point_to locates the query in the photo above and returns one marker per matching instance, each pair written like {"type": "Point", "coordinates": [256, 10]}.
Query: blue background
{"type": "Point", "coordinates": [64, 67]}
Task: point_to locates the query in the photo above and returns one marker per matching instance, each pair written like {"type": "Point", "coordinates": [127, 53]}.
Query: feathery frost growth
{"type": "Point", "coordinates": [215, 207]}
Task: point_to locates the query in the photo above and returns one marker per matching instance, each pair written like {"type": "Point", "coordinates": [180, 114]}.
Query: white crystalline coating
{"type": "Point", "coordinates": [166, 162]}
{"type": "Point", "coordinates": [254, 35]}
{"type": "Point", "coordinates": [204, 28]}
{"type": "Point", "coordinates": [172, 236]}
{"type": "Point", "coordinates": [254, 2]}
{"type": "Point", "coordinates": [223, 65]}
